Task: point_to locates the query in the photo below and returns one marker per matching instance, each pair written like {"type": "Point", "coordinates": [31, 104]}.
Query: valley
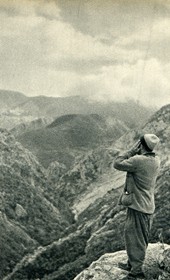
{"type": "Point", "coordinates": [59, 191]}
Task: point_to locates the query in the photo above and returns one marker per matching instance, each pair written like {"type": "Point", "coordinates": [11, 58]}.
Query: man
{"type": "Point", "coordinates": [142, 167]}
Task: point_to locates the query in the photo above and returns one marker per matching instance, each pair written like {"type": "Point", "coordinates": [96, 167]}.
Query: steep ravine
{"type": "Point", "coordinates": [99, 222]}
{"type": "Point", "coordinates": [98, 230]}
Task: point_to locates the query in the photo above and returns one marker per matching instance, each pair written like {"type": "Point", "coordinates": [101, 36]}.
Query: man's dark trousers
{"type": "Point", "coordinates": [137, 228]}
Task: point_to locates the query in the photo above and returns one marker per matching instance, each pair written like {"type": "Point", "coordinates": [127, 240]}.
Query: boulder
{"type": "Point", "coordinates": [20, 211]}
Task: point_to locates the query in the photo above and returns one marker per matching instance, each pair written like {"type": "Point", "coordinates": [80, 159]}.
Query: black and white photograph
{"type": "Point", "coordinates": [84, 139]}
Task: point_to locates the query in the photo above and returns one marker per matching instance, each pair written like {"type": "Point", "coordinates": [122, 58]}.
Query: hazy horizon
{"type": "Point", "coordinates": [110, 51]}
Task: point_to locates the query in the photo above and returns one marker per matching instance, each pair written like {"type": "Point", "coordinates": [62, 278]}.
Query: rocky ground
{"type": "Point", "coordinates": [156, 265]}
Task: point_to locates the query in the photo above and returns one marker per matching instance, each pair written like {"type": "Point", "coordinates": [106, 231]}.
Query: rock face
{"type": "Point", "coordinates": [27, 215]}
{"type": "Point", "coordinates": [156, 265]}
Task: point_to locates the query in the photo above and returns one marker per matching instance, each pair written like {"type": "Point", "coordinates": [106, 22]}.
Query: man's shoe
{"type": "Point", "coordinates": [124, 266]}
{"type": "Point", "coordinates": [140, 275]}
{"type": "Point", "coordinates": [131, 276]}
{"type": "Point", "coordinates": [128, 278]}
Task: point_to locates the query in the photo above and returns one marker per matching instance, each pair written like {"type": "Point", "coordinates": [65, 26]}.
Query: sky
{"type": "Point", "coordinates": [110, 50]}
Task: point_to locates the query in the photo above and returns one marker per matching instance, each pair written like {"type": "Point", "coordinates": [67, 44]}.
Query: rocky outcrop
{"type": "Point", "coordinates": [20, 211]}
{"type": "Point", "coordinates": [156, 265]}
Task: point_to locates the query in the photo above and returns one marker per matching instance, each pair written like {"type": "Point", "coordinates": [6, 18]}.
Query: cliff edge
{"type": "Point", "coordinates": [156, 266]}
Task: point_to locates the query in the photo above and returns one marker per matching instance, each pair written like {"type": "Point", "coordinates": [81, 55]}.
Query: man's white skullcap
{"type": "Point", "coordinates": [151, 140]}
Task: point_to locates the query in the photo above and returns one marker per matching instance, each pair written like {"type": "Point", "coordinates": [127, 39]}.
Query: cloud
{"type": "Point", "coordinates": [153, 42]}
{"type": "Point", "coordinates": [54, 44]}
{"type": "Point", "coordinates": [150, 87]}
{"type": "Point", "coordinates": [108, 50]}
{"type": "Point", "coordinates": [131, 24]}
{"type": "Point", "coordinates": [71, 50]}
{"type": "Point", "coordinates": [114, 18]}
{"type": "Point", "coordinates": [83, 66]}
{"type": "Point", "coordinates": [15, 8]}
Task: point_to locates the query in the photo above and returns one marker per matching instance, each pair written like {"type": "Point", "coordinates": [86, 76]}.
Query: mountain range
{"type": "Point", "coordinates": [17, 108]}
{"type": "Point", "coordinates": [56, 221]}
{"type": "Point", "coordinates": [59, 129]}
{"type": "Point", "coordinates": [68, 136]}
{"type": "Point", "coordinates": [89, 190]}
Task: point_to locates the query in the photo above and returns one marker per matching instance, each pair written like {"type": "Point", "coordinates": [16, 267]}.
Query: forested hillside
{"type": "Point", "coordinates": [28, 215]}
{"type": "Point", "coordinates": [99, 222]}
